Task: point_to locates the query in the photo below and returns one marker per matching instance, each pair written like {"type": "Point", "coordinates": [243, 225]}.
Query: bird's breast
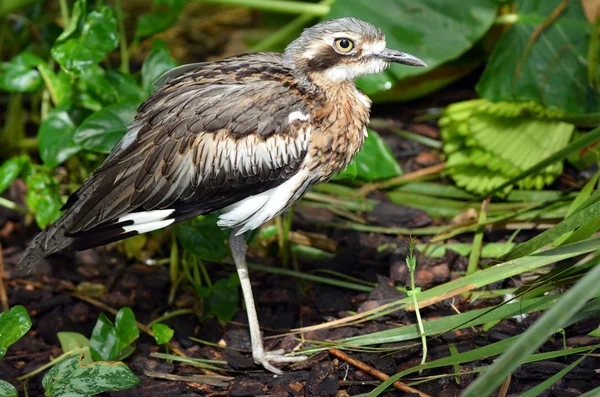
{"type": "Point", "coordinates": [339, 131]}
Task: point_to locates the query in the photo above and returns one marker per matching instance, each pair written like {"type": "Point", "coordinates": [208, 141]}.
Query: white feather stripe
{"type": "Point", "coordinates": [146, 216]}
{"type": "Point", "coordinates": [148, 227]}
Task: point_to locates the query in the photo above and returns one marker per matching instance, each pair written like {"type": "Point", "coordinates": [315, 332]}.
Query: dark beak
{"type": "Point", "coordinates": [400, 57]}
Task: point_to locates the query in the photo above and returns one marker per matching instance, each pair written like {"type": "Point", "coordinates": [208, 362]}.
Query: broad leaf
{"type": "Point", "coordinates": [155, 22]}
{"type": "Point", "coordinates": [43, 197]}
{"type": "Point", "coordinates": [223, 301]}
{"type": "Point", "coordinates": [203, 237]}
{"type": "Point", "coordinates": [87, 39]}
{"type": "Point", "coordinates": [550, 68]}
{"type": "Point", "coordinates": [158, 62]}
{"type": "Point", "coordinates": [72, 378]}
{"type": "Point", "coordinates": [20, 74]}
{"type": "Point", "coordinates": [7, 390]}
{"type": "Point", "coordinates": [126, 87]}
{"type": "Point", "coordinates": [13, 325]}
{"type": "Point", "coordinates": [56, 136]}
{"type": "Point", "coordinates": [436, 31]}
{"type": "Point", "coordinates": [127, 331]}
{"type": "Point", "coordinates": [95, 90]}
{"type": "Point", "coordinates": [10, 170]}
{"type": "Point", "coordinates": [104, 342]}
{"type": "Point", "coordinates": [162, 333]}
{"type": "Point", "coordinates": [102, 130]}
{"type": "Point", "coordinates": [72, 340]}
{"type": "Point", "coordinates": [58, 84]}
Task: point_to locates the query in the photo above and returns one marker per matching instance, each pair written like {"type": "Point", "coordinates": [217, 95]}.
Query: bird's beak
{"type": "Point", "coordinates": [400, 57]}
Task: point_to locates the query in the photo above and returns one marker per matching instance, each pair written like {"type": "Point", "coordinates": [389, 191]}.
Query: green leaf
{"type": "Point", "coordinates": [203, 237]}
{"type": "Point", "coordinates": [7, 390]}
{"type": "Point", "coordinates": [376, 160]}
{"type": "Point", "coordinates": [58, 84]}
{"type": "Point", "coordinates": [177, 4]}
{"type": "Point", "coordinates": [436, 31]}
{"type": "Point", "coordinates": [223, 301]}
{"type": "Point", "coordinates": [551, 69]}
{"type": "Point", "coordinates": [43, 197]}
{"type": "Point", "coordinates": [56, 135]}
{"type": "Point", "coordinates": [20, 74]}
{"type": "Point", "coordinates": [162, 333]}
{"type": "Point", "coordinates": [156, 64]}
{"type": "Point", "coordinates": [70, 341]}
{"type": "Point", "coordinates": [102, 130]}
{"type": "Point", "coordinates": [10, 170]}
{"type": "Point", "coordinates": [87, 39]}
{"type": "Point", "coordinates": [13, 325]}
{"type": "Point", "coordinates": [94, 90]}
{"type": "Point", "coordinates": [104, 343]}
{"type": "Point", "coordinates": [71, 378]}
{"type": "Point", "coordinates": [127, 331]}
{"type": "Point", "coordinates": [155, 22]}
{"type": "Point", "coordinates": [126, 87]}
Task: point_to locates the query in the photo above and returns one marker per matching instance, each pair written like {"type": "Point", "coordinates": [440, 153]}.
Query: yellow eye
{"type": "Point", "coordinates": [344, 45]}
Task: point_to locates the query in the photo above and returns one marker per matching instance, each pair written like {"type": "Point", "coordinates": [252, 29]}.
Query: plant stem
{"type": "Point", "coordinates": [478, 239]}
{"type": "Point", "coordinates": [411, 262]}
{"type": "Point", "coordinates": [53, 362]}
{"type": "Point", "coordinates": [287, 7]}
{"type": "Point", "coordinates": [174, 313]}
{"type": "Point", "coordinates": [12, 205]}
{"type": "Point", "coordinates": [124, 68]}
{"type": "Point", "coordinates": [64, 12]}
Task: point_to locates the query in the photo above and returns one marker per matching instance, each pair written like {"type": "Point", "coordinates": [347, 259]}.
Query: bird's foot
{"type": "Point", "coordinates": [276, 356]}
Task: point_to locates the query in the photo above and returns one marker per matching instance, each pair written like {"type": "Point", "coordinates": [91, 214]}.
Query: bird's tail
{"type": "Point", "coordinates": [45, 243]}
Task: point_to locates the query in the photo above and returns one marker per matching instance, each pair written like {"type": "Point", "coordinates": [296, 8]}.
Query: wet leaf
{"type": "Point", "coordinates": [94, 90]}
{"type": "Point", "coordinates": [158, 62]}
{"type": "Point", "coordinates": [14, 323]}
{"type": "Point", "coordinates": [203, 237]}
{"type": "Point", "coordinates": [58, 84]}
{"type": "Point", "coordinates": [162, 333]}
{"type": "Point", "coordinates": [126, 87]}
{"type": "Point", "coordinates": [127, 331]}
{"type": "Point", "coordinates": [72, 378]}
{"type": "Point", "coordinates": [7, 390]}
{"type": "Point", "coordinates": [375, 161]}
{"type": "Point", "coordinates": [87, 39]}
{"type": "Point", "coordinates": [103, 343]}
{"type": "Point", "coordinates": [21, 74]}
{"type": "Point", "coordinates": [56, 136]}
{"type": "Point", "coordinates": [223, 301]}
{"type": "Point", "coordinates": [549, 68]}
{"type": "Point", "coordinates": [102, 130]}
{"type": "Point", "coordinates": [43, 197]}
{"type": "Point", "coordinates": [437, 31]}
{"type": "Point", "coordinates": [10, 170]}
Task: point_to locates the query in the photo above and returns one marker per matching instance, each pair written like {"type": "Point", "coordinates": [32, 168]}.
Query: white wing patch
{"type": "Point", "coordinates": [146, 221]}
{"type": "Point", "coordinates": [297, 116]}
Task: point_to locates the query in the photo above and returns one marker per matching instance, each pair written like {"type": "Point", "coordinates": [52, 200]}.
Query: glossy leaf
{"type": "Point", "coordinates": [56, 136]}
{"type": "Point", "coordinates": [436, 31]}
{"type": "Point", "coordinates": [126, 87]}
{"type": "Point", "coordinates": [104, 342]}
{"type": "Point", "coordinates": [58, 84]}
{"type": "Point", "coordinates": [7, 390]}
{"type": "Point", "coordinates": [550, 69]}
{"type": "Point", "coordinates": [158, 62]}
{"type": "Point", "coordinates": [162, 333]}
{"type": "Point", "coordinates": [102, 130]}
{"type": "Point", "coordinates": [14, 323]}
{"type": "Point", "coordinates": [72, 378]}
{"type": "Point", "coordinates": [43, 197]}
{"type": "Point", "coordinates": [10, 170]}
{"type": "Point", "coordinates": [72, 340]}
{"type": "Point", "coordinates": [94, 90]}
{"type": "Point", "coordinates": [127, 331]}
{"type": "Point", "coordinates": [203, 237]}
{"type": "Point", "coordinates": [87, 39]}
{"type": "Point", "coordinates": [155, 22]}
{"type": "Point", "coordinates": [21, 74]}
{"type": "Point", "coordinates": [223, 301]}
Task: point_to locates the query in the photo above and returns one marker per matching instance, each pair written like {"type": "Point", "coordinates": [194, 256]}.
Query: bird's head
{"type": "Point", "coordinates": [343, 50]}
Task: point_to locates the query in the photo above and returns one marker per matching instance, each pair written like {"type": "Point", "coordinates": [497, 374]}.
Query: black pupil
{"type": "Point", "coordinates": [344, 44]}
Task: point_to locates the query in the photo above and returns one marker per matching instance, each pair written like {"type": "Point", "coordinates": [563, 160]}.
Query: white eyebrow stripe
{"type": "Point", "coordinates": [373, 48]}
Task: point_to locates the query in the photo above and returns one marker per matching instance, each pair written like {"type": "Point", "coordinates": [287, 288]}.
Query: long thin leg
{"type": "Point", "coordinates": [238, 251]}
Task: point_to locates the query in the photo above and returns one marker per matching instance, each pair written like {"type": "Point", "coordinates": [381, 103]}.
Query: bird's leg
{"type": "Point", "coordinates": [238, 251]}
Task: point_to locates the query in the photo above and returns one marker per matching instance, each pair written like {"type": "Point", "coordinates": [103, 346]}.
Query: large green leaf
{"type": "Point", "coordinates": [113, 342]}
{"type": "Point", "coordinates": [203, 237]}
{"type": "Point", "coordinates": [43, 197]}
{"type": "Point", "coordinates": [71, 378]}
{"type": "Point", "coordinates": [158, 62]}
{"type": "Point", "coordinates": [13, 325]}
{"type": "Point", "coordinates": [551, 68]}
{"type": "Point", "coordinates": [10, 170]}
{"type": "Point", "coordinates": [437, 31]}
{"type": "Point", "coordinates": [20, 74]}
{"type": "Point", "coordinates": [102, 130]}
{"type": "Point", "coordinates": [87, 39]}
{"type": "Point", "coordinates": [56, 136]}
{"type": "Point", "coordinates": [223, 300]}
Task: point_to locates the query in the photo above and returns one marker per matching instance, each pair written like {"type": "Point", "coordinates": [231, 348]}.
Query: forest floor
{"type": "Point", "coordinates": [57, 300]}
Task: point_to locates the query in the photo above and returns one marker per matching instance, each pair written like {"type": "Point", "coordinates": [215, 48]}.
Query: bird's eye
{"type": "Point", "coordinates": [344, 45]}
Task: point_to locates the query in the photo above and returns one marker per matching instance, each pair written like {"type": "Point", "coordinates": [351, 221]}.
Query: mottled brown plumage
{"type": "Point", "coordinates": [247, 136]}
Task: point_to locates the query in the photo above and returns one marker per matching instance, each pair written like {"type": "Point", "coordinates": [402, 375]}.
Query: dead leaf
{"type": "Point", "coordinates": [591, 8]}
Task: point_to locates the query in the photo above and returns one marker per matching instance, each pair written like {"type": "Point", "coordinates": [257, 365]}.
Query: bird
{"type": "Point", "coordinates": [245, 137]}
